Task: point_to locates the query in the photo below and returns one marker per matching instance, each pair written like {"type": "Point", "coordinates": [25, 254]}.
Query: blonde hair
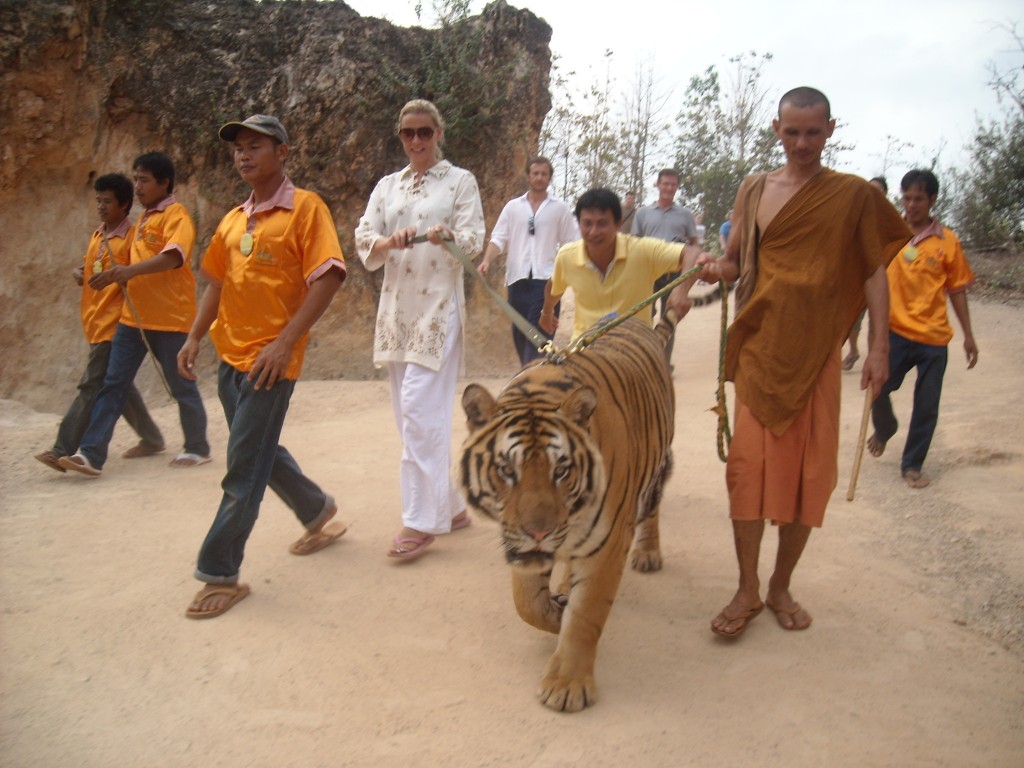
{"type": "Point", "coordinates": [424, 107]}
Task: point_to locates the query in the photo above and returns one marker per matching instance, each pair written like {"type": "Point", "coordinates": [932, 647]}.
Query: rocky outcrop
{"type": "Point", "coordinates": [89, 84]}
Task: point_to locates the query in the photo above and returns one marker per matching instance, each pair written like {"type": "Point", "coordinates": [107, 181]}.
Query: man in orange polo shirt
{"type": "Point", "coordinates": [928, 269]}
{"type": "Point", "coordinates": [160, 303]}
{"type": "Point", "coordinates": [100, 312]}
{"type": "Point", "coordinates": [272, 268]}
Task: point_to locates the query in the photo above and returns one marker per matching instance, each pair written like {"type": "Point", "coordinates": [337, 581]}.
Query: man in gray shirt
{"type": "Point", "coordinates": [667, 221]}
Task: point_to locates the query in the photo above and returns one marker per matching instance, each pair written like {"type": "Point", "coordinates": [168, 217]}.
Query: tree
{"type": "Point", "coordinates": [990, 207]}
{"type": "Point", "coordinates": [642, 129]}
{"type": "Point", "coordinates": [584, 140]}
{"type": "Point", "coordinates": [725, 134]}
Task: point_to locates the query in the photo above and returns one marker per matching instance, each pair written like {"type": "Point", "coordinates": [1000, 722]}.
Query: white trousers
{"type": "Point", "coordinates": [423, 402]}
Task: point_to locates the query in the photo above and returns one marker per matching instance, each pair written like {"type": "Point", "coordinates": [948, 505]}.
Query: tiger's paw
{"type": "Point", "coordinates": [645, 561]}
{"type": "Point", "coordinates": [567, 695]}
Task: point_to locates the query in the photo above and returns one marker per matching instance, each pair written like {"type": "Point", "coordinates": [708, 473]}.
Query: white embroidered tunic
{"type": "Point", "coordinates": [420, 282]}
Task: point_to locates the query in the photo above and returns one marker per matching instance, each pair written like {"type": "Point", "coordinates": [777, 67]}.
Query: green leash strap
{"type": "Point", "coordinates": [541, 342]}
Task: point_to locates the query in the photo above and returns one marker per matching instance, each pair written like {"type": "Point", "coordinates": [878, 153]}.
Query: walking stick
{"type": "Point", "coordinates": [860, 443]}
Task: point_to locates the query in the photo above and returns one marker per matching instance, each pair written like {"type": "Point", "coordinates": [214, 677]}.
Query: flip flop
{"type": "Point", "coordinates": [461, 521]}
{"type": "Point", "coordinates": [745, 617]}
{"type": "Point", "coordinates": [314, 541]}
{"type": "Point", "coordinates": [79, 463]}
{"type": "Point", "coordinates": [402, 551]}
{"type": "Point", "coordinates": [50, 459]}
{"type": "Point", "coordinates": [186, 459]}
{"type": "Point", "coordinates": [141, 450]}
{"type": "Point", "coordinates": [779, 613]}
{"type": "Point", "coordinates": [237, 593]}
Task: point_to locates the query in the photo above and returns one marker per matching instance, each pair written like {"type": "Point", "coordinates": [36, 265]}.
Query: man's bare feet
{"type": "Point", "coordinates": [733, 619]}
{"type": "Point", "coordinates": [915, 479]}
{"type": "Point", "coordinates": [876, 445]}
{"type": "Point", "coordinates": [788, 612]}
{"type": "Point", "coordinates": [849, 360]}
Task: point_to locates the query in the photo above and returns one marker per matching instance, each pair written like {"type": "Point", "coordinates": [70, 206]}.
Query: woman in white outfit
{"type": "Point", "coordinates": [419, 333]}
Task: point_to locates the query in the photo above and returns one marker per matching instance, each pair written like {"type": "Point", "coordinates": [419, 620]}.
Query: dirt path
{"type": "Point", "coordinates": [345, 659]}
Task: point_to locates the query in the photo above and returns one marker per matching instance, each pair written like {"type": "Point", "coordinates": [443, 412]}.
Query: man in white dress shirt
{"type": "Point", "coordinates": [530, 229]}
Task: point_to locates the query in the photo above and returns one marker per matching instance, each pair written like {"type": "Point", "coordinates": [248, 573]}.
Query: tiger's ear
{"type": "Point", "coordinates": [580, 405]}
{"type": "Point", "coordinates": [478, 405]}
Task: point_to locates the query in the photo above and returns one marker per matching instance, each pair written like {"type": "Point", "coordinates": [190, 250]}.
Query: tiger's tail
{"type": "Point", "coordinates": [666, 325]}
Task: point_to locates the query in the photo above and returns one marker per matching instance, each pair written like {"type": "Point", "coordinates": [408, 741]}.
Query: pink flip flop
{"type": "Point", "coordinates": [403, 551]}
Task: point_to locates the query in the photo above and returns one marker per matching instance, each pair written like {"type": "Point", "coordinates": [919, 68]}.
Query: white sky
{"type": "Point", "coordinates": [912, 69]}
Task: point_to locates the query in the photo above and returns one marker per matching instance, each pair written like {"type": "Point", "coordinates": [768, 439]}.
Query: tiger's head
{"type": "Point", "coordinates": [535, 469]}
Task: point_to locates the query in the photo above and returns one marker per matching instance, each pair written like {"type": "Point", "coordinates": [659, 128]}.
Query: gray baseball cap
{"type": "Point", "coordinates": [265, 124]}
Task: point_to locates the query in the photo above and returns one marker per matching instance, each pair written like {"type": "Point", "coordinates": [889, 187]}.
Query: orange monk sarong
{"type": "Point", "coordinates": [787, 478]}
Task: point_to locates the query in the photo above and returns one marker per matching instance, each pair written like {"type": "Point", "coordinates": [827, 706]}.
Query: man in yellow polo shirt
{"type": "Point", "coordinates": [100, 312]}
{"type": "Point", "coordinates": [930, 267]}
{"type": "Point", "coordinates": [272, 268]}
{"type": "Point", "coordinates": [160, 303]}
{"type": "Point", "coordinates": [610, 272]}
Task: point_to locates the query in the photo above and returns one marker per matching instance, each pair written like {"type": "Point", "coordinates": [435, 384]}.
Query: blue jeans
{"type": "Point", "coordinates": [76, 420]}
{"type": "Point", "coordinates": [255, 459]}
{"type": "Point", "coordinates": [930, 362]}
{"type": "Point", "coordinates": [127, 351]}
{"type": "Point", "coordinates": [526, 297]}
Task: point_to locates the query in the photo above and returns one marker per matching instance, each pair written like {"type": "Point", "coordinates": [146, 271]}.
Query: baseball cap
{"type": "Point", "coordinates": [265, 124]}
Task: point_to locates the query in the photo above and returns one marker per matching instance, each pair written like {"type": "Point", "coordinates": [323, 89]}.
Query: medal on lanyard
{"type": "Point", "coordinates": [246, 244]}
{"type": "Point", "coordinates": [910, 252]}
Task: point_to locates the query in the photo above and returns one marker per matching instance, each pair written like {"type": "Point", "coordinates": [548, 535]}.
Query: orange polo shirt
{"type": "Point", "coordinates": [165, 301]}
{"type": "Point", "coordinates": [101, 309]}
{"type": "Point", "coordinates": [929, 268]}
{"type": "Point", "coordinates": [294, 242]}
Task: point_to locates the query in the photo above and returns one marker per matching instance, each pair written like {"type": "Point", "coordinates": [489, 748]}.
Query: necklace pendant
{"type": "Point", "coordinates": [246, 244]}
{"type": "Point", "coordinates": [97, 266]}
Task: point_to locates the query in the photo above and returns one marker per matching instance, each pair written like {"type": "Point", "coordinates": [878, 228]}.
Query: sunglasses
{"type": "Point", "coordinates": [423, 133]}
{"type": "Point", "coordinates": [533, 227]}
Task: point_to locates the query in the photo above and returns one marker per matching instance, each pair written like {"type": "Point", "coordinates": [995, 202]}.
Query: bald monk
{"type": "Point", "coordinates": [809, 246]}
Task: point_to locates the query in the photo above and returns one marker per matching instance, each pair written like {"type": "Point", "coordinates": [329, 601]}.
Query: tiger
{"type": "Point", "coordinates": [571, 459]}
{"type": "Point", "coordinates": [711, 297]}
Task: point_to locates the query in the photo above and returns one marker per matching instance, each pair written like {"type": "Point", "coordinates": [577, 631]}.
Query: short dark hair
{"type": "Point", "coordinates": [880, 181]}
{"type": "Point", "coordinates": [539, 161]}
{"type": "Point", "coordinates": [804, 97]}
{"type": "Point", "coordinates": [668, 172]}
{"type": "Point", "coordinates": [158, 164]}
{"type": "Point", "coordinates": [600, 200]}
{"type": "Point", "coordinates": [119, 184]}
{"type": "Point", "coordinates": [923, 178]}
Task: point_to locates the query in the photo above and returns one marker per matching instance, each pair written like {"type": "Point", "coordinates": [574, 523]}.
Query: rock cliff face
{"type": "Point", "coordinates": [87, 85]}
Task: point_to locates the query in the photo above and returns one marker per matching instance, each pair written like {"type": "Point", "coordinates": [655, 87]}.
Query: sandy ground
{"type": "Point", "coordinates": [347, 659]}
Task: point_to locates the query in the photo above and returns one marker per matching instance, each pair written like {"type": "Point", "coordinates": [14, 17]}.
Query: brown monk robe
{"type": "Point", "coordinates": [802, 286]}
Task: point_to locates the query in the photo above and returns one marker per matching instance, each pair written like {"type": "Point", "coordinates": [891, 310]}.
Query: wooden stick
{"type": "Point", "coordinates": [868, 399]}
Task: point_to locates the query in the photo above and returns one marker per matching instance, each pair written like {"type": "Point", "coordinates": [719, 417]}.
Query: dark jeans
{"type": "Point", "coordinates": [662, 303]}
{"type": "Point", "coordinates": [526, 297]}
{"type": "Point", "coordinates": [255, 459]}
{"type": "Point", "coordinates": [127, 352]}
{"type": "Point", "coordinates": [930, 362]}
{"type": "Point", "coordinates": [76, 420]}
